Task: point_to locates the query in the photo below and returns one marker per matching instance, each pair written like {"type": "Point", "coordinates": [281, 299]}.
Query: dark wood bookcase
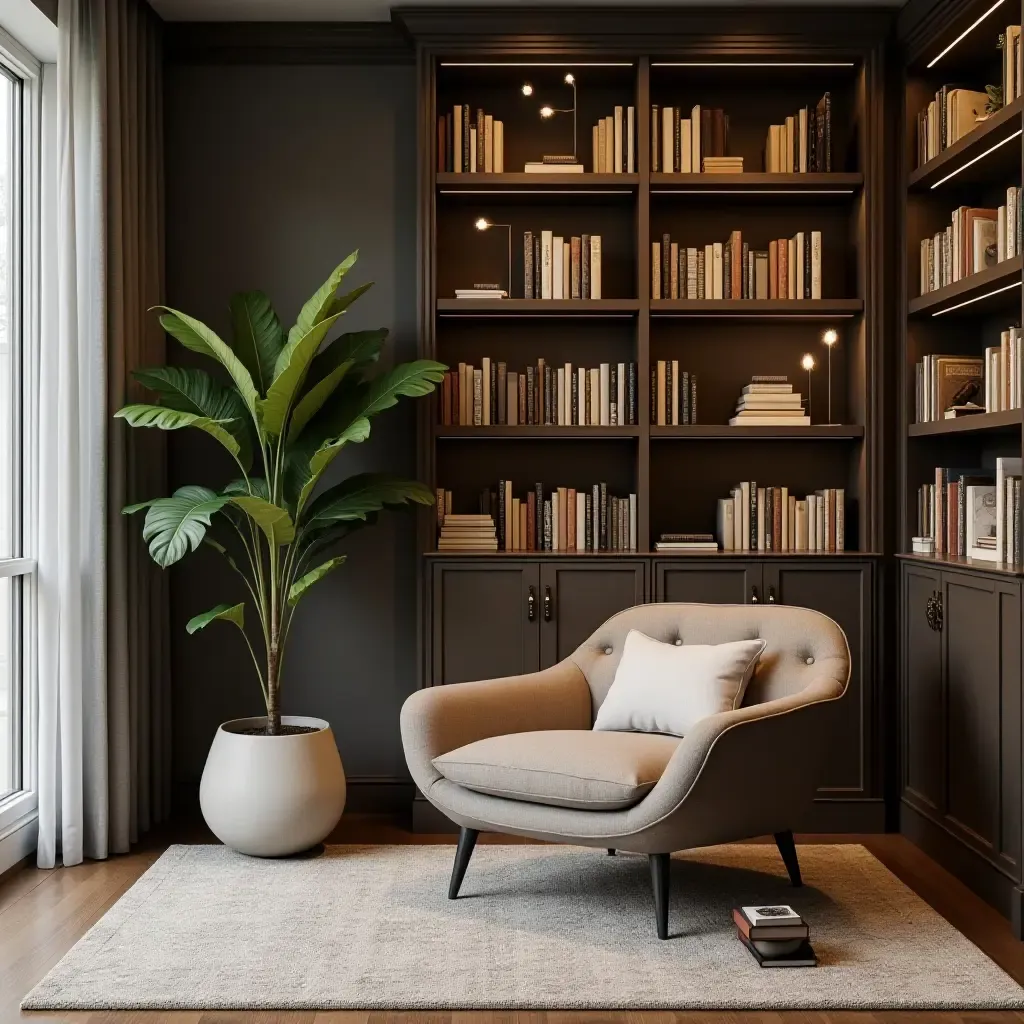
{"type": "Point", "coordinates": [489, 615]}
{"type": "Point", "coordinates": [960, 739]}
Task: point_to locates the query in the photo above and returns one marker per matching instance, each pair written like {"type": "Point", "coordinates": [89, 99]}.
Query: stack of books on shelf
{"type": "Point", "coordinates": [723, 165]}
{"type": "Point", "coordinates": [467, 533]}
{"type": "Point", "coordinates": [555, 164]}
{"type": "Point", "coordinates": [803, 143]}
{"type": "Point", "coordinates": [613, 146]}
{"type": "Point", "coordinates": [673, 394]}
{"type": "Point", "coordinates": [790, 268]}
{"type": "Point", "coordinates": [482, 291]}
{"type": "Point", "coordinates": [976, 238]}
{"type": "Point", "coordinates": [756, 518]}
{"type": "Point", "coordinates": [469, 143]}
{"type": "Point", "coordinates": [687, 543]}
{"type": "Point", "coordinates": [680, 142]}
{"type": "Point", "coordinates": [973, 512]}
{"type": "Point", "coordinates": [556, 268]}
{"type": "Point", "coordinates": [559, 519]}
{"type": "Point", "coordinates": [776, 936]}
{"type": "Point", "coordinates": [493, 395]}
{"type": "Point", "coordinates": [770, 401]}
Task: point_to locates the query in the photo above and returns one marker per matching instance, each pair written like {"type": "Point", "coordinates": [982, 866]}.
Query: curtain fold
{"type": "Point", "coordinates": [104, 729]}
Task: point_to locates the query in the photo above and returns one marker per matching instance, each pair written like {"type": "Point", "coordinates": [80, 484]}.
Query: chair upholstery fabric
{"type": "Point", "coordinates": [597, 771]}
{"type": "Point", "coordinates": [738, 774]}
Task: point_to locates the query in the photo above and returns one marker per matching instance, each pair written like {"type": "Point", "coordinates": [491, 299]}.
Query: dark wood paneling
{"type": "Point", "coordinates": [707, 582]}
{"type": "Point", "coordinates": [577, 598]}
{"type": "Point", "coordinates": [481, 627]}
{"type": "Point", "coordinates": [1011, 742]}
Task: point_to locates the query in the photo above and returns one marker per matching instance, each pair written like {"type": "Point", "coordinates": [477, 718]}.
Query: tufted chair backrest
{"type": "Point", "coordinates": [803, 645]}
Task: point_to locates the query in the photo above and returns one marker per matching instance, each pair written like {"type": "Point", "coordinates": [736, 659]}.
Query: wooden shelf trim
{"type": "Point", "coordinates": [760, 183]}
{"type": "Point", "coordinates": [448, 181]}
{"type": "Point", "coordinates": [746, 556]}
{"type": "Point", "coordinates": [1000, 127]}
{"type": "Point", "coordinates": [538, 307]}
{"type": "Point", "coordinates": [534, 430]}
{"type": "Point", "coordinates": [973, 424]}
{"type": "Point", "coordinates": [946, 561]}
{"type": "Point", "coordinates": [792, 309]}
{"type": "Point", "coordinates": [970, 290]}
{"type": "Point", "coordinates": [724, 432]}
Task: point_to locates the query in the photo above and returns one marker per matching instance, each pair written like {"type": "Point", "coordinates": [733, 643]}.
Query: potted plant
{"type": "Point", "coordinates": [293, 400]}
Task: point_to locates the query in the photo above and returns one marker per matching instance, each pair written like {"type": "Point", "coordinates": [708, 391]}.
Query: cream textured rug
{"type": "Point", "coordinates": [537, 927]}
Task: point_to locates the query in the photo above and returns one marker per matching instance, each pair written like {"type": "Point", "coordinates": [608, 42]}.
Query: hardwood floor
{"type": "Point", "coordinates": [43, 913]}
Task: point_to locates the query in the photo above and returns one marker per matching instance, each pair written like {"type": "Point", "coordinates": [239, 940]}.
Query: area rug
{"type": "Point", "coordinates": [536, 927]}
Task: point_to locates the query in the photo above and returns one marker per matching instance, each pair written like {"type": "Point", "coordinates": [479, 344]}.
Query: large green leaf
{"type": "Point", "coordinates": [301, 585]}
{"type": "Point", "coordinates": [312, 401]}
{"type": "Point", "coordinates": [226, 612]}
{"type": "Point", "coordinates": [258, 335]}
{"type": "Point", "coordinates": [163, 418]}
{"type": "Point", "coordinates": [178, 524]}
{"type": "Point", "coordinates": [195, 335]}
{"type": "Point", "coordinates": [324, 456]}
{"type": "Point", "coordinates": [409, 380]}
{"type": "Point", "coordinates": [256, 487]}
{"type": "Point", "coordinates": [357, 347]}
{"type": "Point", "coordinates": [273, 520]}
{"type": "Point", "coordinates": [363, 494]}
{"type": "Point", "coordinates": [319, 303]}
{"type": "Point", "coordinates": [290, 374]}
{"type": "Point", "coordinates": [195, 391]}
{"type": "Point", "coordinates": [342, 302]}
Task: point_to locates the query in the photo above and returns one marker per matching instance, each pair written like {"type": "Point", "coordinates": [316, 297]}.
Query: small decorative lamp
{"type": "Point", "coordinates": [808, 364]}
{"type": "Point", "coordinates": [829, 338]}
{"type": "Point", "coordinates": [527, 89]}
{"type": "Point", "coordinates": [483, 224]}
{"type": "Point", "coordinates": [548, 111]}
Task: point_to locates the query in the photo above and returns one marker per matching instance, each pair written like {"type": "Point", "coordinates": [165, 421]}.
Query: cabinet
{"type": "Point", "coordinates": [961, 725]}
{"type": "Point", "coordinates": [707, 582]}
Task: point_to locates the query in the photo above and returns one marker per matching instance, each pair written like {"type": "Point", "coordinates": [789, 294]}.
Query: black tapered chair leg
{"type": "Point", "coordinates": [611, 851]}
{"type": "Point", "coordinates": [784, 841]}
{"type": "Point", "coordinates": [467, 842]}
{"type": "Point", "coordinates": [660, 864]}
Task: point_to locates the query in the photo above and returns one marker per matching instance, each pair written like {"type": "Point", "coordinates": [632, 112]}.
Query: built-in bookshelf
{"type": "Point", "coordinates": [492, 228]}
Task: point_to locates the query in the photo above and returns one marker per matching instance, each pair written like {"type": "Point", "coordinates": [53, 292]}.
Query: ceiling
{"type": "Point", "coordinates": [379, 10]}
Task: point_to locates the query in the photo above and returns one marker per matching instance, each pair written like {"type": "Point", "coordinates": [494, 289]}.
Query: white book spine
{"type": "Point", "coordinates": [630, 145]}
{"type": "Point", "coordinates": [595, 266]}
{"type": "Point", "coordinates": [737, 520]}
{"type": "Point", "coordinates": [717, 271]}
{"type": "Point", "coordinates": [567, 372]}
{"type": "Point", "coordinates": [545, 264]}
{"type": "Point", "coordinates": [581, 522]}
{"type": "Point", "coordinates": [557, 254]}
{"type": "Point", "coordinates": [605, 395]}
{"type": "Point", "coordinates": [815, 264]}
{"type": "Point", "coordinates": [472, 150]}
{"type": "Point", "coordinates": [709, 271]}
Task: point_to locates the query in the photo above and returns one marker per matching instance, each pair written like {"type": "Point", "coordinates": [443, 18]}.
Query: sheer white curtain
{"type": "Point", "coordinates": [103, 702]}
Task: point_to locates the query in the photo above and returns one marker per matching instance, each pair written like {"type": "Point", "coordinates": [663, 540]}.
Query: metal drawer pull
{"type": "Point", "coordinates": [531, 602]}
{"type": "Point", "coordinates": [754, 599]}
{"type": "Point", "coordinates": [933, 612]}
{"type": "Point", "coordinates": [771, 595]}
{"type": "Point", "coordinates": [547, 604]}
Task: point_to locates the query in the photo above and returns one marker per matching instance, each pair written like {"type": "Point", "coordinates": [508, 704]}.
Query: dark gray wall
{"type": "Point", "coordinates": [274, 174]}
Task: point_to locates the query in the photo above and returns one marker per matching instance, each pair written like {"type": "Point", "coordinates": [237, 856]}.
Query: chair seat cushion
{"type": "Point", "coordinates": [596, 771]}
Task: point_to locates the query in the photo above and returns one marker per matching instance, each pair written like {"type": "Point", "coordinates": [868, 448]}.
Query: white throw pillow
{"type": "Point", "coordinates": [668, 688]}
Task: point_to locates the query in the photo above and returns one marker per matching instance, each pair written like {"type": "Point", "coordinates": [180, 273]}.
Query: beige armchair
{"type": "Point", "coordinates": [518, 755]}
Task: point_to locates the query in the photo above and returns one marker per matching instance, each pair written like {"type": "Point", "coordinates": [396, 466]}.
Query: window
{"type": "Point", "coordinates": [19, 191]}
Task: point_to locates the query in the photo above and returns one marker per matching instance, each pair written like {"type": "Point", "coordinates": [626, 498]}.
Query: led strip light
{"type": "Point", "coordinates": [977, 298]}
{"type": "Point", "coordinates": [981, 156]}
{"type": "Point", "coordinates": [755, 63]}
{"type": "Point", "coordinates": [966, 32]}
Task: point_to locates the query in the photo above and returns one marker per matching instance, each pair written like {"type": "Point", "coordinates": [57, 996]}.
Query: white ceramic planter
{"type": "Point", "coordinates": [269, 796]}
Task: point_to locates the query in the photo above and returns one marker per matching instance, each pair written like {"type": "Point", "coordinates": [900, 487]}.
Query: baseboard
{"type": "Point", "coordinates": [974, 871]}
{"type": "Point", "coordinates": [854, 816]}
{"type": "Point", "coordinates": [18, 845]}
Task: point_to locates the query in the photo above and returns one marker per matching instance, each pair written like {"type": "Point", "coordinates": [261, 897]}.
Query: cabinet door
{"type": "Point", "coordinates": [482, 625]}
{"type": "Point", "coordinates": [922, 699]}
{"type": "Point", "coordinates": [722, 582]}
{"type": "Point", "coordinates": [843, 592]}
{"type": "Point", "coordinates": [981, 647]}
{"type": "Point", "coordinates": [576, 598]}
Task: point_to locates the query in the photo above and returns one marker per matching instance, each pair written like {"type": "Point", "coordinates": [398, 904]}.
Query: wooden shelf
{"type": "Point", "coordinates": [538, 307]}
{"type": "Point", "coordinates": [746, 556]}
{"type": "Point", "coordinates": [979, 293]}
{"type": "Point", "coordinates": [563, 184]}
{"type": "Point", "coordinates": [535, 430]}
{"type": "Point", "coordinates": [977, 423]}
{"type": "Point", "coordinates": [1005, 160]}
{"type": "Point", "coordinates": [723, 432]}
{"type": "Point", "coordinates": [790, 309]}
{"type": "Point", "coordinates": [946, 561]}
{"type": "Point", "coordinates": [761, 186]}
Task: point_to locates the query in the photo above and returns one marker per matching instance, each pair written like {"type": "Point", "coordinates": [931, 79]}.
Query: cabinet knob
{"type": "Point", "coordinates": [933, 612]}
{"type": "Point", "coordinates": [547, 604]}
{"type": "Point", "coordinates": [771, 595]}
{"type": "Point", "coordinates": [754, 598]}
{"type": "Point", "coordinates": [531, 605]}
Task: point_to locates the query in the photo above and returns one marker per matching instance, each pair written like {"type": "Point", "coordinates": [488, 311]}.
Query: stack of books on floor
{"type": "Point", "coordinates": [482, 291]}
{"type": "Point", "coordinates": [770, 401]}
{"type": "Point", "coordinates": [467, 533]}
{"type": "Point", "coordinates": [723, 165]}
{"type": "Point", "coordinates": [689, 543]}
{"type": "Point", "coordinates": [777, 936]}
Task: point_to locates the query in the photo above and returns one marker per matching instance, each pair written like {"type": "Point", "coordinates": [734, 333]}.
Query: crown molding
{"type": "Point", "coordinates": [921, 22]}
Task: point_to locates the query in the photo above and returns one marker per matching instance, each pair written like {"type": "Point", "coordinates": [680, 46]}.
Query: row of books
{"type": "Point", "coordinates": [556, 268]}
{"type": "Point", "coordinates": [790, 268]}
{"type": "Point", "coordinates": [948, 118]}
{"type": "Point", "coordinates": [756, 518]}
{"type": "Point", "coordinates": [673, 394]}
{"type": "Point", "coordinates": [555, 519]}
{"type": "Point", "coordinates": [973, 512]}
{"type": "Point", "coordinates": [770, 401]}
{"type": "Point", "coordinates": [613, 143]}
{"type": "Point", "coordinates": [952, 386]}
{"type": "Point", "coordinates": [976, 238]}
{"type": "Point", "coordinates": [491, 394]}
{"type": "Point", "coordinates": [469, 143]}
{"type": "Point", "coordinates": [802, 144]}
{"type": "Point", "coordinates": [680, 143]}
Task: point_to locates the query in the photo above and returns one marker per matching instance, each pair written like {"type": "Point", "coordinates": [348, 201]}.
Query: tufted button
{"type": "Point", "coordinates": [810, 661]}
{"type": "Point", "coordinates": [607, 650]}
{"type": "Point", "coordinates": [679, 641]}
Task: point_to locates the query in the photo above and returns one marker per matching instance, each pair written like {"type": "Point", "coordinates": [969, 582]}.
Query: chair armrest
{"type": "Point", "coordinates": [439, 719]}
